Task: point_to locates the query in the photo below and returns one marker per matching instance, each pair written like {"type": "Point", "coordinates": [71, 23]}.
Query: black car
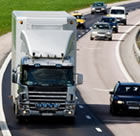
{"type": "Point", "coordinates": [112, 21]}
{"type": "Point", "coordinates": [125, 97]}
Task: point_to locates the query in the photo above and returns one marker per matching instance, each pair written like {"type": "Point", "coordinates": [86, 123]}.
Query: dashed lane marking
{"type": "Point", "coordinates": [99, 130]}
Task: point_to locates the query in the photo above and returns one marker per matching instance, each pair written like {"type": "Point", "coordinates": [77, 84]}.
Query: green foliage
{"type": "Point", "coordinates": [7, 6]}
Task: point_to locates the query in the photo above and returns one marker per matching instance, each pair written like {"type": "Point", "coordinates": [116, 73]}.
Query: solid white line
{"type": "Point", "coordinates": [99, 130]}
{"type": "Point", "coordinates": [122, 67]}
{"type": "Point", "coordinates": [4, 128]}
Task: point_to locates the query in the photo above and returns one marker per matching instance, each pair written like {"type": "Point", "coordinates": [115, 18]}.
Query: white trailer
{"type": "Point", "coordinates": [43, 69]}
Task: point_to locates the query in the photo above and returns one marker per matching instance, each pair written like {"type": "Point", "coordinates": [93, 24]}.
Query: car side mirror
{"type": "Point", "coordinates": [126, 13]}
{"type": "Point", "coordinates": [111, 92]}
{"type": "Point", "coordinates": [79, 79]}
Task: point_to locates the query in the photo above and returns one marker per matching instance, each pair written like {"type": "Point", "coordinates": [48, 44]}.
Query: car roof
{"type": "Point", "coordinates": [129, 84]}
{"type": "Point", "coordinates": [118, 7]}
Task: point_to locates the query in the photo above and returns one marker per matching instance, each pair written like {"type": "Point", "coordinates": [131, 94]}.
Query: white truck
{"type": "Point", "coordinates": [43, 69]}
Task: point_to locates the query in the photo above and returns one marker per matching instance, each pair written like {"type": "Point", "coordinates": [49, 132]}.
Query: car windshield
{"type": "Point", "coordinates": [101, 26]}
{"type": "Point", "coordinates": [98, 4]}
{"type": "Point", "coordinates": [45, 76]}
{"type": "Point", "coordinates": [128, 90]}
{"type": "Point", "coordinates": [110, 20]}
{"type": "Point", "coordinates": [79, 16]}
{"type": "Point", "coordinates": [113, 11]}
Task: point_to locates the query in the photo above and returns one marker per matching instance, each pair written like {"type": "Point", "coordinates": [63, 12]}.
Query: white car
{"type": "Point", "coordinates": [119, 13]}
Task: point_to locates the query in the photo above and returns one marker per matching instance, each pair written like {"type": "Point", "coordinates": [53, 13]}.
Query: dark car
{"type": "Point", "coordinates": [125, 97]}
{"type": "Point", "coordinates": [98, 7]}
{"type": "Point", "coordinates": [112, 21]}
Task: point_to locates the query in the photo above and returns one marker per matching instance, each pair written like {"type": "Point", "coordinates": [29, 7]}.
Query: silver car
{"type": "Point", "coordinates": [101, 30]}
{"type": "Point", "coordinates": [98, 7]}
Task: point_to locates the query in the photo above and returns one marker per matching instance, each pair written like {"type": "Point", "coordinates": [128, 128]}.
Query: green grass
{"type": "Point", "coordinates": [7, 6]}
{"type": "Point", "coordinates": [138, 42]}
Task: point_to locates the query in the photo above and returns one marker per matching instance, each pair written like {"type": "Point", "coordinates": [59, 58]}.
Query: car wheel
{"type": "Point", "coordinates": [112, 110]}
{"type": "Point", "coordinates": [110, 39]}
{"type": "Point", "coordinates": [91, 38]}
{"type": "Point", "coordinates": [116, 30]}
{"type": "Point", "coordinates": [125, 23]}
{"type": "Point", "coordinates": [92, 12]}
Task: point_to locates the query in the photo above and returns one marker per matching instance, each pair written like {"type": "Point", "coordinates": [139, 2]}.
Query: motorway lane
{"type": "Point", "coordinates": [85, 122]}
{"type": "Point", "coordinates": [98, 63]}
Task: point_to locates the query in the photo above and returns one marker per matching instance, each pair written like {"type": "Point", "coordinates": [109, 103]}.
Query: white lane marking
{"type": "Point", "coordinates": [81, 106]}
{"type": "Point", "coordinates": [121, 65]}
{"type": "Point", "coordinates": [88, 117]}
{"type": "Point", "coordinates": [103, 90]}
{"type": "Point", "coordinates": [4, 128]}
{"type": "Point", "coordinates": [99, 130]}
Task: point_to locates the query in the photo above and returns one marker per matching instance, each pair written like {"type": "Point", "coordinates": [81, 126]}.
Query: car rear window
{"type": "Point", "coordinates": [117, 11]}
{"type": "Point", "coordinates": [128, 90]}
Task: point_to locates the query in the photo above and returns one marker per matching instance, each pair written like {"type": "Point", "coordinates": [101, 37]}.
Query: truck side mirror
{"type": "Point", "coordinates": [79, 79]}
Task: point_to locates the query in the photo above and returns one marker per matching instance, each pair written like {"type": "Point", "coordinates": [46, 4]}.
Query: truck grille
{"type": "Point", "coordinates": [47, 95]}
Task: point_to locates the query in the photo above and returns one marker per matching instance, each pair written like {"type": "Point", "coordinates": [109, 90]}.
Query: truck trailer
{"type": "Point", "coordinates": [43, 70]}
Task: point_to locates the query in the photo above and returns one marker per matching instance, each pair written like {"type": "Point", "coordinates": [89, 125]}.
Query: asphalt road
{"type": "Point", "coordinates": [97, 61]}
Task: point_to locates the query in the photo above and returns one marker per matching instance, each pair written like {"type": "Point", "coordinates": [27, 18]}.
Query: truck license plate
{"type": "Point", "coordinates": [47, 114]}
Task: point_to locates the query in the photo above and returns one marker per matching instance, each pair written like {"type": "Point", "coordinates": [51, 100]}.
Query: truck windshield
{"type": "Point", "coordinates": [46, 76]}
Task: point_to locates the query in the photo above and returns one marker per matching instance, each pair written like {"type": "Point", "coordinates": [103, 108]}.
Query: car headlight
{"type": "Point", "coordinates": [120, 102]}
{"type": "Point", "coordinates": [94, 32]}
{"type": "Point", "coordinates": [108, 33]}
{"type": "Point", "coordinates": [102, 8]}
{"type": "Point", "coordinates": [114, 26]}
{"type": "Point", "coordinates": [93, 8]}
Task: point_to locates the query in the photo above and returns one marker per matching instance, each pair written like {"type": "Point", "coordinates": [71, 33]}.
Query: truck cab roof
{"type": "Point", "coordinates": [40, 43]}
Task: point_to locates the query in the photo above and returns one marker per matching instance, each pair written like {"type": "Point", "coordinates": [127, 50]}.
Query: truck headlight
{"type": "Point", "coordinates": [120, 102]}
